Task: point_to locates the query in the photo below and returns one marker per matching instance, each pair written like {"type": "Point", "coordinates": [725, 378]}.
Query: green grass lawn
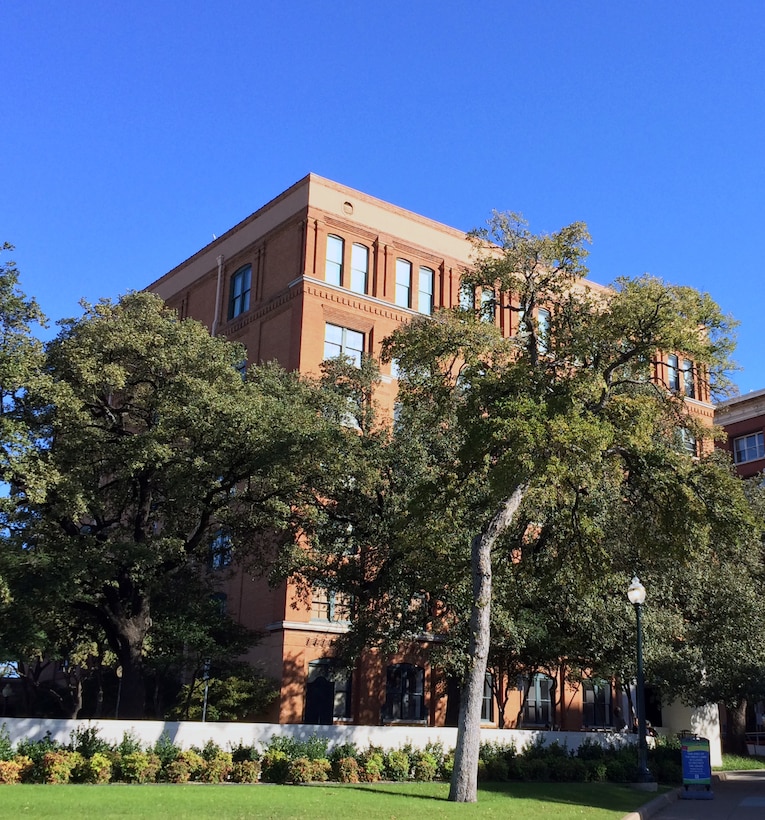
{"type": "Point", "coordinates": [732, 763]}
{"type": "Point", "coordinates": [392, 801]}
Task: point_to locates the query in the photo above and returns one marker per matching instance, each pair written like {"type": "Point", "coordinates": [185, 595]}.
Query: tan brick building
{"type": "Point", "coordinates": [324, 269]}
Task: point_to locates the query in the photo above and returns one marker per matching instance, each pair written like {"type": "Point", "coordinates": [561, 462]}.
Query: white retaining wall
{"type": "Point", "coordinates": [196, 733]}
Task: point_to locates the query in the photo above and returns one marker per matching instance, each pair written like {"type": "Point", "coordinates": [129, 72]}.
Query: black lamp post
{"type": "Point", "coordinates": [636, 595]}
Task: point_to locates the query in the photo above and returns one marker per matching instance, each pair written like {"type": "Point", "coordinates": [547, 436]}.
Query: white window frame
{"type": "Point", "coordinates": [333, 268]}
{"type": "Point", "coordinates": [359, 268]}
{"type": "Point", "coordinates": [403, 296]}
{"type": "Point", "coordinates": [750, 447]}
{"type": "Point", "coordinates": [343, 341]}
{"type": "Point", "coordinates": [427, 285]}
{"type": "Point", "coordinates": [673, 373]}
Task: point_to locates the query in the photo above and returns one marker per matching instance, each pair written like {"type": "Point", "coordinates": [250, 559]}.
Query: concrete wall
{"type": "Point", "coordinates": [194, 733]}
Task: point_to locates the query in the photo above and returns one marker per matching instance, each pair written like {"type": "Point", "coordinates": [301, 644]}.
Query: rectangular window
{"type": "Point", "coordinates": [403, 283]}
{"type": "Point", "coordinates": [688, 441]}
{"type": "Point", "coordinates": [425, 294]}
{"type": "Point", "coordinates": [239, 297]}
{"type": "Point", "coordinates": [673, 373]}
{"type": "Point", "coordinates": [467, 297]}
{"type": "Point", "coordinates": [404, 693]}
{"type": "Point", "coordinates": [487, 705]}
{"type": "Point", "coordinates": [488, 305]}
{"type": "Point", "coordinates": [543, 330]}
{"type": "Point", "coordinates": [748, 448]}
{"type": "Point", "coordinates": [221, 550]}
{"type": "Point", "coordinates": [327, 605]}
{"type": "Point", "coordinates": [538, 702]}
{"type": "Point", "coordinates": [333, 272]}
{"type": "Point", "coordinates": [689, 384]}
{"type": "Point", "coordinates": [342, 341]}
{"type": "Point", "coordinates": [359, 268]}
{"type": "Point", "coordinates": [597, 703]}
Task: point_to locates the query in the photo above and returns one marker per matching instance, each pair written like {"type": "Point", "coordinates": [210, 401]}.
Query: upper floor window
{"type": "Point", "coordinates": [239, 297]}
{"type": "Point", "coordinates": [425, 295]}
{"type": "Point", "coordinates": [333, 272]}
{"type": "Point", "coordinates": [488, 304]}
{"type": "Point", "coordinates": [543, 330]}
{"type": "Point", "coordinates": [748, 448]}
{"type": "Point", "coordinates": [221, 550]}
{"type": "Point", "coordinates": [342, 341]}
{"type": "Point", "coordinates": [688, 441]}
{"type": "Point", "coordinates": [359, 268]}
{"type": "Point", "coordinates": [467, 297]}
{"type": "Point", "coordinates": [673, 373]}
{"type": "Point", "coordinates": [689, 384]}
{"type": "Point", "coordinates": [403, 283]}
{"type": "Point", "coordinates": [327, 605]}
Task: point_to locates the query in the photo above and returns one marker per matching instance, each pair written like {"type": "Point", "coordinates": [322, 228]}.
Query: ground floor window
{"type": "Point", "coordinates": [404, 692]}
{"type": "Point", "coordinates": [596, 703]}
{"type": "Point", "coordinates": [328, 692]}
{"type": "Point", "coordinates": [538, 706]}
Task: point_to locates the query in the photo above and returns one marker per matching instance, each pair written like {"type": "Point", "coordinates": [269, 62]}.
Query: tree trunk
{"type": "Point", "coordinates": [464, 783]}
{"type": "Point", "coordinates": [735, 743]}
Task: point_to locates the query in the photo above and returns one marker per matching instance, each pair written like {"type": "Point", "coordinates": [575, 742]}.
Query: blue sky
{"type": "Point", "coordinates": [134, 132]}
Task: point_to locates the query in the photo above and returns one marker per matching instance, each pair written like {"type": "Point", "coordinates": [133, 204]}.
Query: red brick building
{"type": "Point", "coordinates": [743, 419]}
{"type": "Point", "coordinates": [323, 270]}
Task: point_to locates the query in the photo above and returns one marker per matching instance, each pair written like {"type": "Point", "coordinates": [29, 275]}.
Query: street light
{"type": "Point", "coordinates": [636, 594]}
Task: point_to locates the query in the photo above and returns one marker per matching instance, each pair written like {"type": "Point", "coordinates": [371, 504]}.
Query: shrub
{"type": "Point", "coordinates": [618, 772]}
{"type": "Point", "coordinates": [36, 750]}
{"type": "Point", "coordinates": [129, 744]}
{"type": "Point", "coordinates": [496, 768]}
{"type": "Point", "coordinates": [95, 769]}
{"type": "Point", "coordinates": [57, 766]}
{"type": "Point", "coordinates": [10, 771]}
{"type": "Point", "coordinates": [166, 750]}
{"type": "Point", "coordinates": [177, 771]}
{"type": "Point", "coordinates": [397, 765]}
{"type": "Point", "coordinates": [343, 750]}
{"type": "Point", "coordinates": [300, 770]}
{"type": "Point", "coordinates": [346, 770]}
{"type": "Point", "coordinates": [245, 771]}
{"type": "Point", "coordinates": [313, 747]}
{"type": "Point", "coordinates": [139, 767]}
{"type": "Point", "coordinates": [27, 767]}
{"type": "Point", "coordinates": [86, 741]}
{"type": "Point", "coordinates": [534, 768]}
{"type": "Point", "coordinates": [567, 769]}
{"type": "Point", "coordinates": [217, 768]}
{"type": "Point", "coordinates": [424, 766]}
{"type": "Point", "coordinates": [275, 766]}
{"type": "Point", "coordinates": [373, 765]}
{"type": "Point", "coordinates": [187, 766]}
{"type": "Point", "coordinates": [447, 766]}
{"type": "Point", "coordinates": [6, 747]}
{"type": "Point", "coordinates": [242, 753]}
{"type": "Point", "coordinates": [596, 770]}
{"type": "Point", "coordinates": [591, 750]}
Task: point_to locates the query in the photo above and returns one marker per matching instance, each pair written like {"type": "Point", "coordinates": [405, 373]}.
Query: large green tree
{"type": "Point", "coordinates": [152, 454]}
{"type": "Point", "coordinates": [548, 423]}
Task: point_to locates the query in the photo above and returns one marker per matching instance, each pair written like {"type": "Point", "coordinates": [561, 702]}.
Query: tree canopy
{"type": "Point", "coordinates": [148, 450]}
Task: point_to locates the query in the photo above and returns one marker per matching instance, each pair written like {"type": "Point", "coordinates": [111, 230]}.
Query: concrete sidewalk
{"type": "Point", "coordinates": [737, 796]}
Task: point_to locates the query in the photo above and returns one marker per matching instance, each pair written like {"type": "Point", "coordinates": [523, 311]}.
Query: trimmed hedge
{"type": "Point", "coordinates": [90, 759]}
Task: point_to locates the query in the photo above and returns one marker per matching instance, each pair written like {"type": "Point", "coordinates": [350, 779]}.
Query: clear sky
{"type": "Point", "coordinates": [133, 132]}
